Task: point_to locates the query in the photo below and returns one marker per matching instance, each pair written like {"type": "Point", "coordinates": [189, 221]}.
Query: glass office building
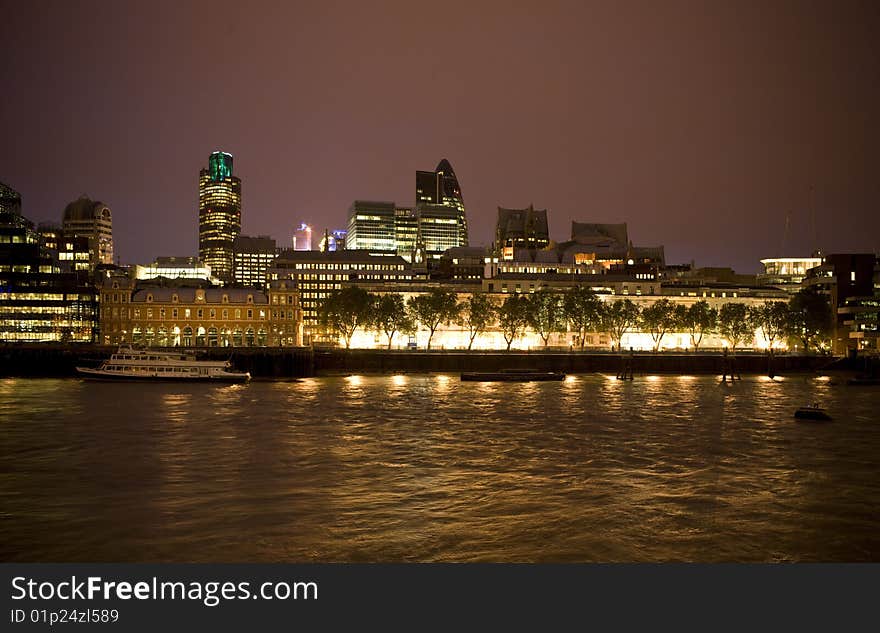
{"type": "Point", "coordinates": [219, 215]}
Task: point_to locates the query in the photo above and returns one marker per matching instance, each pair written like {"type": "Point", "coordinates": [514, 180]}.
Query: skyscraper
{"type": "Point", "coordinates": [92, 220]}
{"type": "Point", "coordinates": [219, 214]}
{"type": "Point", "coordinates": [440, 187]}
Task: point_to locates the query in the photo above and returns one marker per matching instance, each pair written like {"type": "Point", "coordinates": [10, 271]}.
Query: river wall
{"type": "Point", "coordinates": [376, 361]}
{"type": "Point", "coordinates": [282, 363]}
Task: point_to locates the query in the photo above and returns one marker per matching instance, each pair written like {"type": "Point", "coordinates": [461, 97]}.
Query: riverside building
{"type": "Point", "coordinates": [316, 274]}
{"type": "Point", "coordinates": [39, 302]}
{"type": "Point", "coordinates": [190, 313]}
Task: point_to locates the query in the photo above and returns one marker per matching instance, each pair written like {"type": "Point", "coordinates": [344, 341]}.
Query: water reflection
{"type": "Point", "coordinates": [425, 467]}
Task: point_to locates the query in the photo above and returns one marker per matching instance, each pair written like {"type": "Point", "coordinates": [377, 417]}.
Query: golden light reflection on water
{"type": "Point", "coordinates": [591, 468]}
{"type": "Point", "coordinates": [177, 406]}
{"type": "Point", "coordinates": [442, 384]}
{"type": "Point", "coordinates": [399, 380]}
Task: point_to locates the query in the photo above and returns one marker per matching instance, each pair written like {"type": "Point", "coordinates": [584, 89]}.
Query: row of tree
{"type": "Point", "coordinates": [806, 318]}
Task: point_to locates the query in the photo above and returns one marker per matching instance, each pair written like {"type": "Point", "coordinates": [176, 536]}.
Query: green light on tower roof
{"type": "Point", "coordinates": [220, 165]}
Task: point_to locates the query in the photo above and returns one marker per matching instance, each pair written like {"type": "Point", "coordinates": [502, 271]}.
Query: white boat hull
{"type": "Point", "coordinates": [113, 376]}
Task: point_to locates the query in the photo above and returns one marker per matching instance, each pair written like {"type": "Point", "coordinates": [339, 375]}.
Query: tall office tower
{"type": "Point", "coordinates": [93, 221]}
{"type": "Point", "coordinates": [219, 214]}
{"type": "Point", "coordinates": [371, 227]}
{"type": "Point", "coordinates": [302, 238]}
{"type": "Point", "coordinates": [440, 187]}
{"type": "Point", "coordinates": [522, 228]}
{"type": "Point", "coordinates": [253, 257]}
{"type": "Point", "coordinates": [10, 200]}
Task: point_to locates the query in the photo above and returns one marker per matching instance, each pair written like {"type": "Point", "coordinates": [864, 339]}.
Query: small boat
{"type": "Point", "coordinates": [512, 375]}
{"type": "Point", "coordinates": [812, 412]}
{"type": "Point", "coordinates": [864, 381]}
{"type": "Point", "coordinates": [129, 364]}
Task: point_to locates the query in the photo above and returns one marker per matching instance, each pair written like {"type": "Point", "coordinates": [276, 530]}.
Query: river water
{"type": "Point", "coordinates": [426, 468]}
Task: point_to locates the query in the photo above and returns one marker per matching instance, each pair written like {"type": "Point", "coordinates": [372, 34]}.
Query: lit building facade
{"type": "Point", "coordinates": [253, 256]}
{"type": "Point", "coordinates": [38, 301]}
{"type": "Point", "coordinates": [174, 268]}
{"type": "Point", "coordinates": [72, 253]}
{"type": "Point", "coordinates": [91, 220]}
{"type": "Point", "coordinates": [456, 336]}
{"type": "Point", "coordinates": [788, 272]}
{"type": "Point", "coordinates": [219, 214]}
{"type": "Point", "coordinates": [371, 227]}
{"type": "Point", "coordinates": [198, 316]}
{"type": "Point", "coordinates": [316, 274]}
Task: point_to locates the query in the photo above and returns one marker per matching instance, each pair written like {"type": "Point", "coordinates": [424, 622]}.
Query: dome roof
{"type": "Point", "coordinates": [84, 209]}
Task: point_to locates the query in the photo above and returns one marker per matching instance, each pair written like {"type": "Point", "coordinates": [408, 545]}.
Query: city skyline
{"type": "Point", "coordinates": [704, 130]}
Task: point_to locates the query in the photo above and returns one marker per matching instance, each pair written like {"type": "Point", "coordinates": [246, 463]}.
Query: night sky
{"type": "Point", "coordinates": [701, 124]}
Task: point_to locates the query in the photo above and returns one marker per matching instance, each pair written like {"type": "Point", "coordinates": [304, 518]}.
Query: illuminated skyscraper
{"type": "Point", "coordinates": [219, 214]}
{"type": "Point", "coordinates": [440, 188]}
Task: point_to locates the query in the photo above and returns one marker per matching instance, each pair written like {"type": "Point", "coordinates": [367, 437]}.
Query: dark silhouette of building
{"type": "Point", "coordinates": [219, 214]}
{"type": "Point", "coordinates": [10, 200]}
{"type": "Point", "coordinates": [522, 228]}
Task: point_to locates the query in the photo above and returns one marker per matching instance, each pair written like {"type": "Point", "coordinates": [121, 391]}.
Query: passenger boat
{"type": "Point", "coordinates": [129, 364]}
{"type": "Point", "coordinates": [512, 375]}
{"type": "Point", "coordinates": [812, 412]}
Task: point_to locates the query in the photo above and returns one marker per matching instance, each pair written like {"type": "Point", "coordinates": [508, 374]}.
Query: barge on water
{"type": "Point", "coordinates": [512, 375]}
